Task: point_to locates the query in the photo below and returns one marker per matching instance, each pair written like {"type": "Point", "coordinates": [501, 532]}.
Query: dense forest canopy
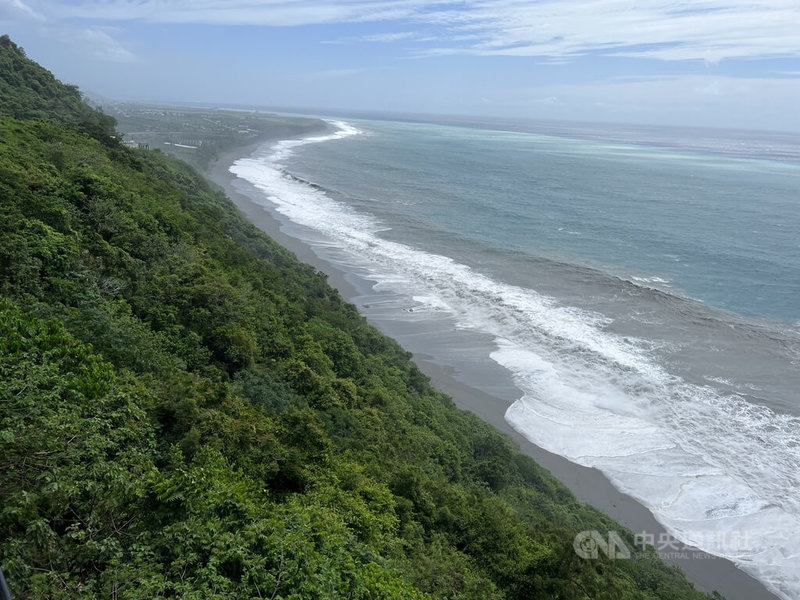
{"type": "Point", "coordinates": [186, 411]}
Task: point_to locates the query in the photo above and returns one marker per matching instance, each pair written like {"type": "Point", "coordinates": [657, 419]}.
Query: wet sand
{"type": "Point", "coordinates": [486, 390]}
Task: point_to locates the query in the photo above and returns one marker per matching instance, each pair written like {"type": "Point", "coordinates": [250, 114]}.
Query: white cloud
{"type": "Point", "coordinates": [388, 37]}
{"type": "Point", "coordinates": [100, 44]}
{"type": "Point", "coordinates": [708, 30]}
{"type": "Point", "coordinates": [247, 12]}
{"type": "Point", "coordinates": [95, 43]}
{"type": "Point", "coordinates": [15, 9]}
{"type": "Point", "coordinates": [382, 38]}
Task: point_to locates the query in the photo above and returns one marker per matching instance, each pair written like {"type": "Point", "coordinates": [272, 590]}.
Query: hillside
{"type": "Point", "coordinates": [186, 411]}
{"type": "Point", "coordinates": [29, 92]}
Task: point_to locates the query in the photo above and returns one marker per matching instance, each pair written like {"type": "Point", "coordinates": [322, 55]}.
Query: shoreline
{"type": "Point", "coordinates": [588, 485]}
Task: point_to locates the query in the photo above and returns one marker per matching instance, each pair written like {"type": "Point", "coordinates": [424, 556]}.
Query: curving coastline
{"type": "Point", "coordinates": [485, 389]}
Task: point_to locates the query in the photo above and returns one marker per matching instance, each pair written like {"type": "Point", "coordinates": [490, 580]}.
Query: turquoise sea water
{"type": "Point", "coordinates": [720, 229]}
{"type": "Point", "coordinates": [641, 286]}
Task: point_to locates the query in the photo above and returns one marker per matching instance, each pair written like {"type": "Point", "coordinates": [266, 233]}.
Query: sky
{"type": "Point", "coordinates": [714, 63]}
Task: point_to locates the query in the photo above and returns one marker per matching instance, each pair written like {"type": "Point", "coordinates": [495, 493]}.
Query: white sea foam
{"type": "Point", "coordinates": [649, 279]}
{"type": "Point", "coordinates": [705, 463]}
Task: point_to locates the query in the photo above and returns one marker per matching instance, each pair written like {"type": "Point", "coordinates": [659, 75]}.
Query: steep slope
{"type": "Point", "coordinates": [187, 411]}
{"type": "Point", "coordinates": [29, 92]}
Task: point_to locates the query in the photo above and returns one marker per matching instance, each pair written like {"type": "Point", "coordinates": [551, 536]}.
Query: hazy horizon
{"type": "Point", "coordinates": [470, 120]}
{"type": "Point", "coordinates": [715, 63]}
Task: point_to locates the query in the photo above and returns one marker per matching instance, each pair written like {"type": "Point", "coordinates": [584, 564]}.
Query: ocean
{"type": "Point", "coordinates": [640, 285]}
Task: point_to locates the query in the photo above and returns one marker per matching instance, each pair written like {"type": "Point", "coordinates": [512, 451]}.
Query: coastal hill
{"type": "Point", "coordinates": [28, 91]}
{"type": "Point", "coordinates": [187, 411]}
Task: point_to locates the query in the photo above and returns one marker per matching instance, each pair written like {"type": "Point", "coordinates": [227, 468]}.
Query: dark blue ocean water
{"type": "Point", "coordinates": [641, 286]}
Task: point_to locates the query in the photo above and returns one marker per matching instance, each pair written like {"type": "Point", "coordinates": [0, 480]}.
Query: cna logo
{"type": "Point", "coordinates": [589, 545]}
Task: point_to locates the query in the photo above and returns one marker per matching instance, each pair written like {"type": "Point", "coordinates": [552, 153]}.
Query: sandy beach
{"type": "Point", "coordinates": [486, 390]}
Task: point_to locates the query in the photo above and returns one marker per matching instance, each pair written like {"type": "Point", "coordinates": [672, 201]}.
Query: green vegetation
{"type": "Point", "coordinates": [186, 411]}
{"type": "Point", "coordinates": [29, 92]}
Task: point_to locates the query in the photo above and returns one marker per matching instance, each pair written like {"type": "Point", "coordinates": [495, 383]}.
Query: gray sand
{"type": "Point", "coordinates": [588, 485]}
